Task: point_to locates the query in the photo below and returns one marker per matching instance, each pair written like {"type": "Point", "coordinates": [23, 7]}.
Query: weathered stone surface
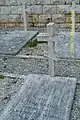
{"type": "Point", "coordinates": [42, 97]}
{"type": "Point", "coordinates": [78, 26]}
{"type": "Point", "coordinates": [42, 37]}
{"type": "Point", "coordinates": [68, 2]}
{"type": "Point", "coordinates": [78, 9]}
{"type": "Point", "coordinates": [62, 8]}
{"type": "Point", "coordinates": [59, 2]}
{"type": "Point", "coordinates": [32, 2]}
{"type": "Point", "coordinates": [50, 9]}
{"type": "Point", "coordinates": [58, 18]}
{"type": "Point", "coordinates": [44, 8]}
{"type": "Point", "coordinates": [44, 18]}
{"type": "Point", "coordinates": [63, 43]}
{"type": "Point", "coordinates": [43, 2]}
{"type": "Point", "coordinates": [5, 10]}
{"type": "Point", "coordinates": [36, 9]}
{"type": "Point", "coordinates": [28, 9]}
{"type": "Point", "coordinates": [78, 18]}
{"type": "Point", "coordinates": [35, 18]}
{"type": "Point", "coordinates": [2, 2]}
{"type": "Point", "coordinates": [11, 43]}
{"type": "Point", "coordinates": [11, 2]}
{"type": "Point", "coordinates": [20, 2]}
{"type": "Point", "coordinates": [16, 9]}
{"type": "Point", "coordinates": [3, 17]}
{"type": "Point", "coordinates": [14, 17]}
{"type": "Point", "coordinates": [52, 28]}
{"type": "Point", "coordinates": [39, 25]}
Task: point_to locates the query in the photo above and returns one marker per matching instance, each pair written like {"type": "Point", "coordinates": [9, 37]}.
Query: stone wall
{"type": "Point", "coordinates": [40, 12]}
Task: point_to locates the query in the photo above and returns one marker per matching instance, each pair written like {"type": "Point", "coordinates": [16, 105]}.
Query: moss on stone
{"type": "Point", "coordinates": [34, 43]}
{"type": "Point", "coordinates": [1, 77]}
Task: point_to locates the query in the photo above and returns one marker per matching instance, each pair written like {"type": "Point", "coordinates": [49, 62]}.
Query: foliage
{"type": "Point", "coordinates": [34, 43]}
{"type": "Point", "coordinates": [1, 77]}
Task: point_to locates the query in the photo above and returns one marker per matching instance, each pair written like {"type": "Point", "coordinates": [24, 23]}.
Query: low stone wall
{"type": "Point", "coordinates": [40, 12]}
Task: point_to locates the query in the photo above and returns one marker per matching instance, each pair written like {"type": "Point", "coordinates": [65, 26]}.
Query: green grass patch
{"type": "Point", "coordinates": [34, 43]}
{"type": "Point", "coordinates": [1, 77]}
{"type": "Point", "coordinates": [76, 63]}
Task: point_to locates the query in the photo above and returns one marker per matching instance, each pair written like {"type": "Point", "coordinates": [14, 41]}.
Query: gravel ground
{"type": "Point", "coordinates": [8, 87]}
{"type": "Point", "coordinates": [26, 66]}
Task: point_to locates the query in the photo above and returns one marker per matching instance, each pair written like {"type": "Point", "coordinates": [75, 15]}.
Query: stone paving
{"type": "Point", "coordinates": [42, 98]}
{"type": "Point", "coordinates": [12, 42]}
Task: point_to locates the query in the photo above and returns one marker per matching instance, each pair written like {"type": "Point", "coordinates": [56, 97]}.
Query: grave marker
{"type": "Point", "coordinates": [41, 97]}
{"type": "Point", "coordinates": [52, 29]}
{"type": "Point", "coordinates": [12, 42]}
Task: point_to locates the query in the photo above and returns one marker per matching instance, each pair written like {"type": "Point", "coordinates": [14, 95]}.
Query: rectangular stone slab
{"type": "Point", "coordinates": [63, 43]}
{"type": "Point", "coordinates": [68, 10]}
{"type": "Point", "coordinates": [12, 42]}
{"type": "Point", "coordinates": [42, 98]}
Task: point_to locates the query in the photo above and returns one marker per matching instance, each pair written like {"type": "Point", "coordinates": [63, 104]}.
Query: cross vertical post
{"type": "Point", "coordinates": [25, 17]}
{"type": "Point", "coordinates": [51, 48]}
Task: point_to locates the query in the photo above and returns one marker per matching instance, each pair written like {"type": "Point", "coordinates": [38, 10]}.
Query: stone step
{"type": "Point", "coordinates": [42, 97]}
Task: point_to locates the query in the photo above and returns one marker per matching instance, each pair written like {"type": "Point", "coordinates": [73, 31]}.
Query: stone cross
{"type": "Point", "coordinates": [49, 37]}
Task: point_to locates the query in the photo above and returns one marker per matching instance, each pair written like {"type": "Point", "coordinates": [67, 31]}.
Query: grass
{"type": "Point", "coordinates": [34, 43]}
{"type": "Point", "coordinates": [1, 77]}
{"type": "Point", "coordinates": [77, 63]}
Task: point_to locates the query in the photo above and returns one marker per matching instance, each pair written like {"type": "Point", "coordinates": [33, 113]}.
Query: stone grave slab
{"type": "Point", "coordinates": [62, 42]}
{"type": "Point", "coordinates": [42, 97]}
{"type": "Point", "coordinates": [12, 42]}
